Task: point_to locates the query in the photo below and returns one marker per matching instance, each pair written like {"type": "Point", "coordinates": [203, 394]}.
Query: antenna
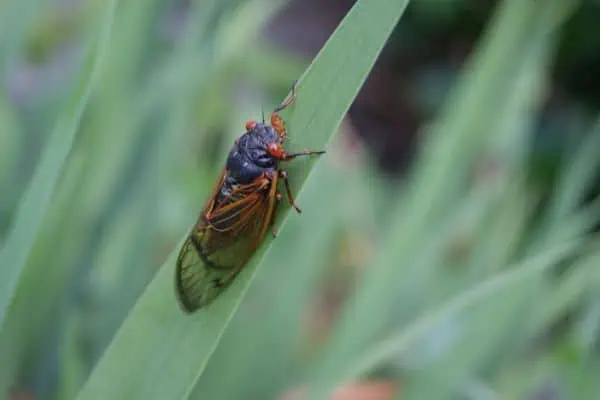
{"type": "Point", "coordinates": [262, 111]}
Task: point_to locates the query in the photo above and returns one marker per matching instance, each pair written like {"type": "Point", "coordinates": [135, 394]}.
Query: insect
{"type": "Point", "coordinates": [239, 212]}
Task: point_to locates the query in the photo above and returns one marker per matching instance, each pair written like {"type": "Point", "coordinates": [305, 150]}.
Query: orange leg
{"type": "Point", "coordinates": [279, 126]}
{"type": "Point", "coordinates": [276, 120]}
{"type": "Point", "coordinates": [276, 150]}
{"type": "Point", "coordinates": [288, 190]}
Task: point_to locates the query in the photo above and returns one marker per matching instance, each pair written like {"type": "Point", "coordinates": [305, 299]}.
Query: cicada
{"type": "Point", "coordinates": [239, 212]}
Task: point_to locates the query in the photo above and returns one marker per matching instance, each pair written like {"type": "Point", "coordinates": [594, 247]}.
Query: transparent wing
{"type": "Point", "coordinates": [223, 241]}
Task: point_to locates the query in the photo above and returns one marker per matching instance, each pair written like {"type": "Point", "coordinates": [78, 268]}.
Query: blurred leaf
{"type": "Point", "coordinates": [36, 199]}
{"type": "Point", "coordinates": [407, 337]}
{"type": "Point", "coordinates": [72, 366]}
{"type": "Point", "coordinates": [440, 178]}
{"type": "Point", "coordinates": [564, 218]}
{"type": "Point", "coordinates": [15, 18]}
{"type": "Point", "coordinates": [10, 147]}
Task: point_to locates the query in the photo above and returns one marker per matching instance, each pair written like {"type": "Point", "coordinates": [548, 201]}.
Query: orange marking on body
{"type": "Point", "coordinates": [275, 150]}
{"type": "Point", "coordinates": [278, 124]}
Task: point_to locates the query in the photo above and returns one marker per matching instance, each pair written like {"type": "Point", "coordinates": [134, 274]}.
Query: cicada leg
{"type": "Point", "coordinates": [290, 156]}
{"type": "Point", "coordinates": [276, 120]}
{"type": "Point", "coordinates": [289, 99]}
{"type": "Point", "coordinates": [288, 190]}
{"type": "Point", "coordinates": [278, 199]}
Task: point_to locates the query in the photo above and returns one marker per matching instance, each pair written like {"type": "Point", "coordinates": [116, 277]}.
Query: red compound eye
{"type": "Point", "coordinates": [250, 125]}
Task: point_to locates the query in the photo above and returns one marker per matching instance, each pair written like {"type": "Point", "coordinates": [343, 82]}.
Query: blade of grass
{"type": "Point", "coordinates": [579, 173]}
{"type": "Point", "coordinates": [576, 177]}
{"type": "Point", "coordinates": [113, 129]}
{"type": "Point", "coordinates": [407, 337]}
{"type": "Point", "coordinates": [15, 18]}
{"type": "Point", "coordinates": [499, 235]}
{"type": "Point", "coordinates": [36, 199]}
{"type": "Point", "coordinates": [66, 243]}
{"type": "Point", "coordinates": [159, 352]}
{"type": "Point", "coordinates": [132, 231]}
{"type": "Point", "coordinates": [441, 175]}
{"type": "Point", "coordinates": [582, 278]}
{"type": "Point", "coordinates": [10, 144]}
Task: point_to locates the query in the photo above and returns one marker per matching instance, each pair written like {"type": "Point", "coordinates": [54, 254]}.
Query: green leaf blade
{"type": "Point", "coordinates": [159, 352]}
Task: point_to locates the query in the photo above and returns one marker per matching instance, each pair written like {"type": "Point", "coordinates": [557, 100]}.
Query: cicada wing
{"type": "Point", "coordinates": [198, 283]}
{"type": "Point", "coordinates": [222, 242]}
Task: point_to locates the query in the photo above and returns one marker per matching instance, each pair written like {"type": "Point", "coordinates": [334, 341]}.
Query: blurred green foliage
{"type": "Point", "coordinates": [467, 278]}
